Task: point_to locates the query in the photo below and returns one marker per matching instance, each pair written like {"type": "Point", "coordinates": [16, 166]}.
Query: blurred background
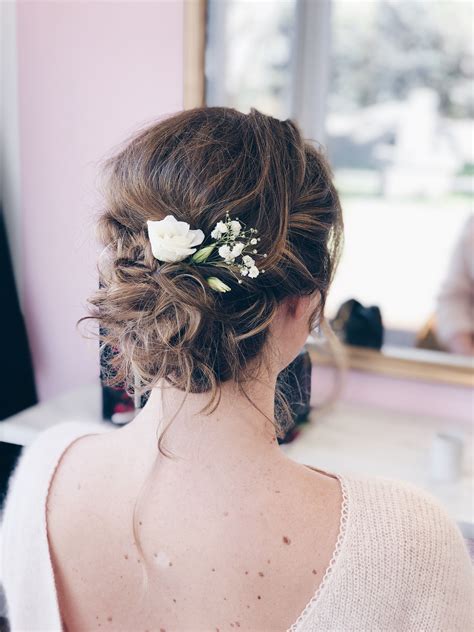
{"type": "Point", "coordinates": [384, 86]}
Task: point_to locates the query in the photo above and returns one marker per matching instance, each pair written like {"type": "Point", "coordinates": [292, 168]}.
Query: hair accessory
{"type": "Point", "coordinates": [173, 241]}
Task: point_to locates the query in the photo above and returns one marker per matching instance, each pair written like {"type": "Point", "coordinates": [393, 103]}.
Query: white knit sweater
{"type": "Point", "coordinates": [400, 562]}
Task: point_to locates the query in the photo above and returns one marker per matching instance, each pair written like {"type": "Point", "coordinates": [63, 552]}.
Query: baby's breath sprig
{"type": "Point", "coordinates": [235, 246]}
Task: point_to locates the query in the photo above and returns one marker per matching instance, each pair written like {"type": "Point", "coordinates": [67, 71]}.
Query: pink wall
{"type": "Point", "coordinates": [411, 396]}
{"type": "Point", "coordinates": [88, 74]}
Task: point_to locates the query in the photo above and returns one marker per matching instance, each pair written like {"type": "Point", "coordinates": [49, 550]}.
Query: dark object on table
{"type": "Point", "coordinates": [9, 455]}
{"type": "Point", "coordinates": [16, 374]}
{"type": "Point", "coordinates": [117, 405]}
{"type": "Point", "coordinates": [295, 382]}
{"type": "Point", "coordinates": [359, 326]}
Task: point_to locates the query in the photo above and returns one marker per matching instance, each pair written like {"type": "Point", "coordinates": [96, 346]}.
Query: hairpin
{"type": "Point", "coordinates": [233, 246]}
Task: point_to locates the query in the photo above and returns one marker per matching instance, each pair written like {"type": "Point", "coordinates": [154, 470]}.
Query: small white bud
{"type": "Point", "coordinates": [237, 249]}
{"type": "Point", "coordinates": [225, 252]}
{"type": "Point", "coordinates": [235, 227]}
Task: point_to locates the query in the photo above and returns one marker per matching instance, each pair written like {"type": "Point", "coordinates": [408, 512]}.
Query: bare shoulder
{"type": "Point", "coordinates": [84, 454]}
{"type": "Point", "coordinates": [91, 481]}
{"type": "Point", "coordinates": [75, 489]}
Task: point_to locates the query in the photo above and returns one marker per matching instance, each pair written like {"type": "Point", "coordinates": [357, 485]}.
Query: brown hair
{"type": "Point", "coordinates": [162, 319]}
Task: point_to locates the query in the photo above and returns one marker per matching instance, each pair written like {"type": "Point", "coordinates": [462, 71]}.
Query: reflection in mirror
{"type": "Point", "coordinates": [398, 129]}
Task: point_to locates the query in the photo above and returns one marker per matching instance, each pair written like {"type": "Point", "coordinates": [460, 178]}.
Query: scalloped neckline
{"type": "Point", "coordinates": [295, 627]}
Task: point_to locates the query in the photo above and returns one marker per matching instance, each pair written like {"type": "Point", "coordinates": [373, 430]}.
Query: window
{"type": "Point", "coordinates": [386, 86]}
{"type": "Point", "coordinates": [399, 133]}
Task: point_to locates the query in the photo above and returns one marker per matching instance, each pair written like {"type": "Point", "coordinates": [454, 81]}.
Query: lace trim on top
{"type": "Point", "coordinates": [335, 556]}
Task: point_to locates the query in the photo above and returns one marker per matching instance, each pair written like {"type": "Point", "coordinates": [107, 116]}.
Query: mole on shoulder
{"type": "Point", "coordinates": [261, 574]}
{"type": "Point", "coordinates": [268, 561]}
{"type": "Point", "coordinates": [109, 618]}
{"type": "Point", "coordinates": [126, 557]}
{"type": "Point", "coordinates": [286, 540]}
{"type": "Point", "coordinates": [231, 625]}
{"type": "Point", "coordinates": [258, 597]}
{"type": "Point", "coordinates": [237, 624]}
{"type": "Point", "coordinates": [315, 572]}
{"type": "Point", "coordinates": [162, 630]}
{"type": "Point", "coordinates": [277, 491]}
{"type": "Point", "coordinates": [246, 572]}
{"type": "Point", "coordinates": [213, 570]}
{"type": "Point", "coordinates": [174, 600]}
{"type": "Point", "coordinates": [170, 564]}
{"type": "Point", "coordinates": [226, 513]}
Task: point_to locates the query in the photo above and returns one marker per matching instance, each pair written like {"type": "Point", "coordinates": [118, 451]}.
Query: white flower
{"type": "Point", "coordinates": [253, 272]}
{"type": "Point", "coordinates": [253, 241]}
{"type": "Point", "coordinates": [226, 253]}
{"type": "Point", "coordinates": [235, 227]}
{"type": "Point", "coordinates": [221, 227]}
{"type": "Point", "coordinates": [237, 249]}
{"type": "Point", "coordinates": [244, 271]}
{"type": "Point", "coordinates": [172, 240]}
{"type": "Point", "coordinates": [248, 261]}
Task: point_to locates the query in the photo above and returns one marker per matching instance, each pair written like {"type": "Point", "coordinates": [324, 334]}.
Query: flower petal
{"type": "Point", "coordinates": [197, 237]}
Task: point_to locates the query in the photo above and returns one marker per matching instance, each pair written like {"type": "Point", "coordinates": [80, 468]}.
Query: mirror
{"type": "Point", "coordinates": [385, 87]}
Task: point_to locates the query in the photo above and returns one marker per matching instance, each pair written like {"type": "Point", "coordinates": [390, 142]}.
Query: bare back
{"type": "Point", "coordinates": [224, 550]}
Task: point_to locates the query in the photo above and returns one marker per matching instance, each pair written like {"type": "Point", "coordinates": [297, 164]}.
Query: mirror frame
{"type": "Point", "coordinates": [396, 362]}
{"type": "Point", "coordinates": [400, 363]}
